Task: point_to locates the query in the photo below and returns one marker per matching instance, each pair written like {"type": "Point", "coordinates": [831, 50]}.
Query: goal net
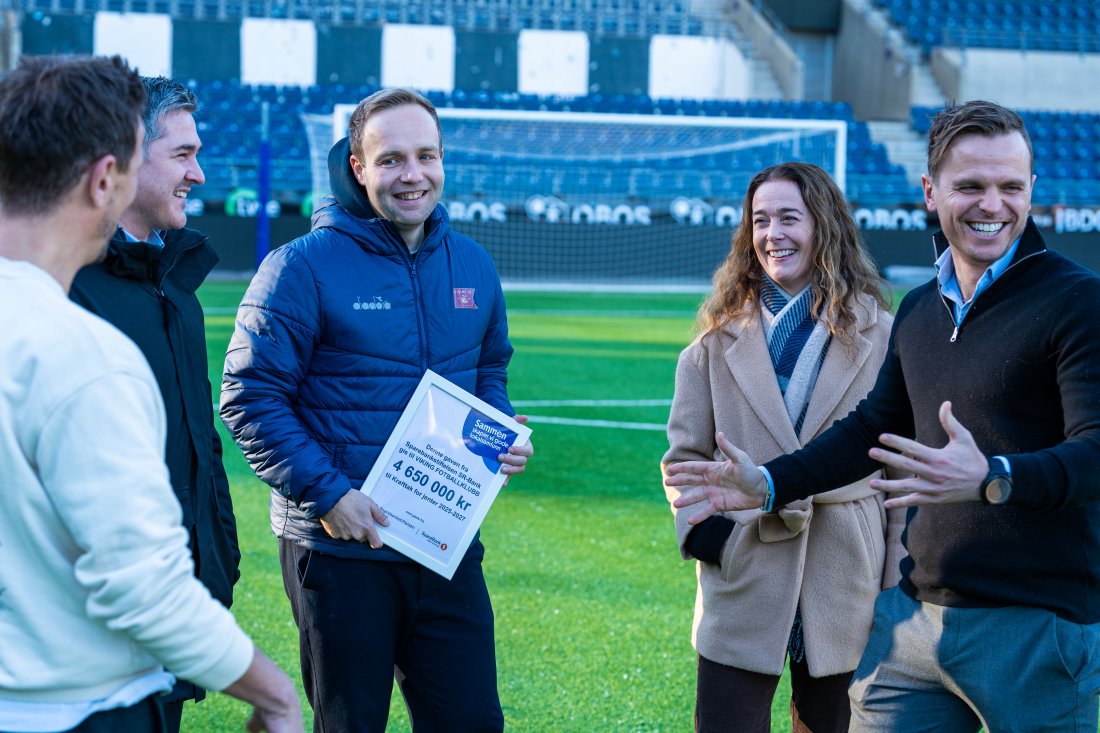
{"type": "Point", "coordinates": [561, 198]}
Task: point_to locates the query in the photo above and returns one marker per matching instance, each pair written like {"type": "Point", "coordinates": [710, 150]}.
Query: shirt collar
{"type": "Point", "coordinates": [154, 237]}
{"type": "Point", "coordinates": [949, 283]}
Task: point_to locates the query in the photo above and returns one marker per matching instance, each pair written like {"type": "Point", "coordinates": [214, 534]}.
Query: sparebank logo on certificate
{"type": "Point", "coordinates": [438, 474]}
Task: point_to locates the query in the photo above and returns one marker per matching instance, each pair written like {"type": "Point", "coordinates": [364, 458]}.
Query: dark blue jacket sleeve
{"type": "Point", "coordinates": [839, 456]}
{"type": "Point", "coordinates": [278, 326]}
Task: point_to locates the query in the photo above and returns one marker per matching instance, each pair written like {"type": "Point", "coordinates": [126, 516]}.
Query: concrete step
{"type": "Point", "coordinates": [926, 91]}
{"type": "Point", "coordinates": [764, 83]}
{"type": "Point", "coordinates": [906, 146]}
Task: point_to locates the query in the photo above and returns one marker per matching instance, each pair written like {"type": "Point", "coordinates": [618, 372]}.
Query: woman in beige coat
{"type": "Point", "coordinates": [791, 339]}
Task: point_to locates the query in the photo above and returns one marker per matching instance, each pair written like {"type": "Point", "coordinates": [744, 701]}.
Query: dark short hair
{"type": "Point", "coordinates": [59, 114]}
{"type": "Point", "coordinates": [379, 102]}
{"type": "Point", "coordinates": [976, 117]}
{"type": "Point", "coordinates": [162, 97]}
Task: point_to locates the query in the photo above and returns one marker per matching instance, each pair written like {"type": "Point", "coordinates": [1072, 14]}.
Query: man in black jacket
{"type": "Point", "coordinates": [996, 620]}
{"type": "Point", "coordinates": [146, 288]}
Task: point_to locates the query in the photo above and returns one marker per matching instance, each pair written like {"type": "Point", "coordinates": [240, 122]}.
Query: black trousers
{"type": "Point", "coordinates": [358, 620]}
{"type": "Point", "coordinates": [729, 700]}
{"type": "Point", "coordinates": [145, 716]}
{"type": "Point", "coordinates": [173, 715]}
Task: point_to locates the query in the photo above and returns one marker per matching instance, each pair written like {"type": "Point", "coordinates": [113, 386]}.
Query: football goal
{"type": "Point", "coordinates": [564, 198]}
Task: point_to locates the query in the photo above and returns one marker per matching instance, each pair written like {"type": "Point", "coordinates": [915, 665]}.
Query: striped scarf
{"type": "Point", "coordinates": [797, 344]}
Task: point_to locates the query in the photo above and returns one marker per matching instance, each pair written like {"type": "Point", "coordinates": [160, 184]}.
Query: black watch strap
{"type": "Point", "coordinates": [997, 487]}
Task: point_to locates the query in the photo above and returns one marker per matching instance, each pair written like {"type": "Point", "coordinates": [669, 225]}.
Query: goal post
{"type": "Point", "coordinates": [586, 199]}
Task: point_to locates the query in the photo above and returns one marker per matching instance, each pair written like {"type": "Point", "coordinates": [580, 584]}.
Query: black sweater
{"type": "Point", "coordinates": [1023, 375]}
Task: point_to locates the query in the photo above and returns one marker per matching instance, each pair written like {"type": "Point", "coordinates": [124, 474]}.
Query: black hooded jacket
{"type": "Point", "coordinates": [149, 294]}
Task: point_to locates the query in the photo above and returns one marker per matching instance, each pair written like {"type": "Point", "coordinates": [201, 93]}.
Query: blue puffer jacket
{"type": "Point", "coordinates": [332, 337]}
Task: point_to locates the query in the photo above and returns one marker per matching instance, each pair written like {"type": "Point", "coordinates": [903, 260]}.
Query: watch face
{"type": "Point", "coordinates": [997, 491]}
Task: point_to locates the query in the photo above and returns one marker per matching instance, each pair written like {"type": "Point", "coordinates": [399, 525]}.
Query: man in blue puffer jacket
{"type": "Point", "coordinates": [333, 335]}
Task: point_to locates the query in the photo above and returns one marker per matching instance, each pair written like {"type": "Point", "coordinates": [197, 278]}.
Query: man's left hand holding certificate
{"type": "Point", "coordinates": [441, 470]}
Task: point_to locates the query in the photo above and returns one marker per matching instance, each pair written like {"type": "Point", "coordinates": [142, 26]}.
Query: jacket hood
{"type": "Point", "coordinates": [347, 209]}
{"type": "Point", "coordinates": [345, 189]}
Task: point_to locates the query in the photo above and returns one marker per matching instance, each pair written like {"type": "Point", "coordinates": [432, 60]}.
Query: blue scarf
{"type": "Point", "coordinates": [790, 329]}
{"type": "Point", "coordinates": [793, 338]}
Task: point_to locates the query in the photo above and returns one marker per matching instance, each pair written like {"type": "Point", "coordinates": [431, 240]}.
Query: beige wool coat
{"type": "Point", "coordinates": [832, 553]}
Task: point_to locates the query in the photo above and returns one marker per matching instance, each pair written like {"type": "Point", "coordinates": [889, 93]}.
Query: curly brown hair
{"type": "Point", "coordinates": [842, 266]}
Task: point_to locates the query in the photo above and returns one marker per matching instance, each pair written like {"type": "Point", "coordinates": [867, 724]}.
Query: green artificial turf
{"type": "Point", "coordinates": [593, 603]}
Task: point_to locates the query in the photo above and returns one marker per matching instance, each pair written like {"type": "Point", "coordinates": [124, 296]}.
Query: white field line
{"type": "Point", "coordinates": [580, 422]}
{"type": "Point", "coordinates": [573, 313]}
{"type": "Point", "coordinates": [599, 313]}
{"type": "Point", "coordinates": [702, 286]}
{"type": "Point", "coordinates": [587, 423]}
{"type": "Point", "coordinates": [597, 423]}
{"type": "Point", "coordinates": [592, 403]}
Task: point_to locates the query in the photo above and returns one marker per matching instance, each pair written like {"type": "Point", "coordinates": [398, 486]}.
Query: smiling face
{"type": "Point", "coordinates": [982, 194]}
{"type": "Point", "coordinates": [402, 168]}
{"type": "Point", "coordinates": [783, 234]}
{"type": "Point", "coordinates": [170, 169]}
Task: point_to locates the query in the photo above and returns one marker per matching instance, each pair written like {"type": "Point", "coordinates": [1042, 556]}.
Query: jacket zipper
{"type": "Point", "coordinates": [414, 277]}
{"type": "Point", "coordinates": [420, 318]}
{"type": "Point", "coordinates": [171, 266]}
{"type": "Point", "coordinates": [951, 309]}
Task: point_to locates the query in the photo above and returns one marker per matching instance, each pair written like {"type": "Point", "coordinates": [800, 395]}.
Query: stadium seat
{"type": "Point", "coordinates": [1069, 25]}
{"type": "Point", "coordinates": [230, 129]}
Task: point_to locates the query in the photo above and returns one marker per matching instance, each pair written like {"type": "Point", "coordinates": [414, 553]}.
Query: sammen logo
{"type": "Point", "coordinates": [378, 304]}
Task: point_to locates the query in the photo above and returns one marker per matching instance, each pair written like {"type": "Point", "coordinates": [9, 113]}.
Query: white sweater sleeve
{"type": "Point", "coordinates": [100, 457]}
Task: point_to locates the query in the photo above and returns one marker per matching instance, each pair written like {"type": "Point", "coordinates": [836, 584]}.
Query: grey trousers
{"type": "Point", "coordinates": [934, 669]}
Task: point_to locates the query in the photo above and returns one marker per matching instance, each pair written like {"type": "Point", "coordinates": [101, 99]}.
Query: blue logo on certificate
{"type": "Point", "coordinates": [486, 438]}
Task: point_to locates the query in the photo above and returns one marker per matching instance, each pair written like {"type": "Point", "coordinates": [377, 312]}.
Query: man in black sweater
{"type": "Point", "coordinates": [996, 621]}
{"type": "Point", "coordinates": [146, 288]}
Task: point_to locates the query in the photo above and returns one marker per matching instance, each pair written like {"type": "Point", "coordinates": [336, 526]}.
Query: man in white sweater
{"type": "Point", "coordinates": [97, 595]}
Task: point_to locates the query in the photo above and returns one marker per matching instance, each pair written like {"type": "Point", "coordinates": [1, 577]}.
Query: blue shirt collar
{"type": "Point", "coordinates": [949, 283]}
{"type": "Point", "coordinates": [154, 237]}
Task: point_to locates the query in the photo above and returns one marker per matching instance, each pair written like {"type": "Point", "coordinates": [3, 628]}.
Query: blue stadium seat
{"type": "Point", "coordinates": [231, 123]}
{"type": "Point", "coordinates": [1066, 25]}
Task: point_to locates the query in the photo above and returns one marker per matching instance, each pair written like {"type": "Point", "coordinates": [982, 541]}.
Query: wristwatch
{"type": "Point", "coordinates": [997, 487]}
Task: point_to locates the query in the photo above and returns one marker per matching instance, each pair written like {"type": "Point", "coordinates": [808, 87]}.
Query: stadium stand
{"type": "Point", "coordinates": [597, 17]}
{"type": "Point", "coordinates": [230, 126]}
{"type": "Point", "coordinates": [1067, 25]}
{"type": "Point", "coordinates": [1067, 154]}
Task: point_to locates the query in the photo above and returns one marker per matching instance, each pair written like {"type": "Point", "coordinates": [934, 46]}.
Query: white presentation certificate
{"type": "Point", "coordinates": [437, 475]}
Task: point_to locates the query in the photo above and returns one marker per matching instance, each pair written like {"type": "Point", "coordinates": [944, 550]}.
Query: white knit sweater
{"type": "Point", "coordinates": [96, 583]}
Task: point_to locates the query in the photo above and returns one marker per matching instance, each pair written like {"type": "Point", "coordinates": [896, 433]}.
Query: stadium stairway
{"type": "Point", "coordinates": [907, 147]}
{"type": "Point", "coordinates": [764, 84]}
{"type": "Point", "coordinates": [924, 91]}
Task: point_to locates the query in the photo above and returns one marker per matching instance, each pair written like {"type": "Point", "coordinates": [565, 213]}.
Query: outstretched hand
{"type": "Point", "coordinates": [717, 486]}
{"type": "Point", "coordinates": [945, 475]}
